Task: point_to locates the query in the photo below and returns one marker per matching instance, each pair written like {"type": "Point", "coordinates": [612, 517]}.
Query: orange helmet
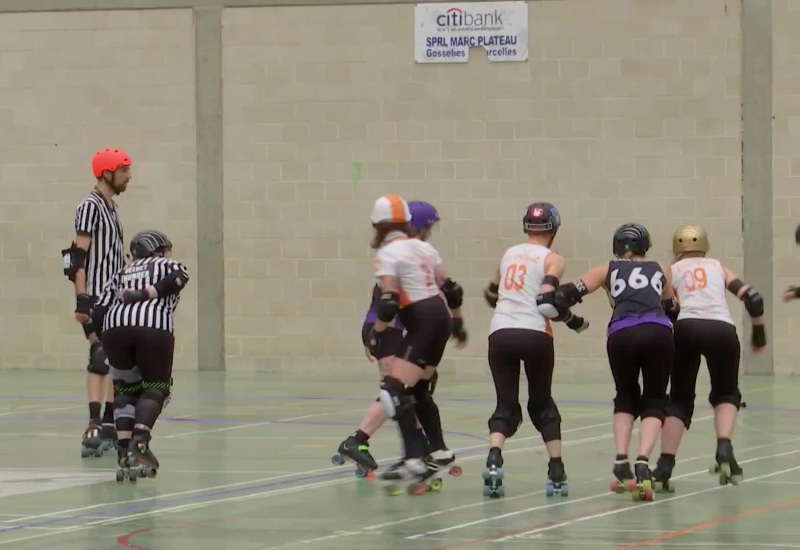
{"type": "Point", "coordinates": [109, 159]}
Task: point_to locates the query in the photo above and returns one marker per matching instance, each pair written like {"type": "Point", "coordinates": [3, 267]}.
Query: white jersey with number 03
{"type": "Point", "coordinates": [413, 262]}
{"type": "Point", "coordinates": [700, 286]}
{"type": "Point", "coordinates": [521, 275]}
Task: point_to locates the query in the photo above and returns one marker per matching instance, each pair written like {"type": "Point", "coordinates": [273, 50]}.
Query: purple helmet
{"type": "Point", "coordinates": [423, 214]}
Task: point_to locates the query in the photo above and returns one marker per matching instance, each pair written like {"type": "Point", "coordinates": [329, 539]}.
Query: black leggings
{"type": "Point", "coordinates": [649, 349]}
{"type": "Point", "coordinates": [534, 349]}
{"type": "Point", "coordinates": [718, 342]}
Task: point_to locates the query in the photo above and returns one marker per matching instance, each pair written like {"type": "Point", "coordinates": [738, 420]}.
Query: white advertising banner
{"type": "Point", "coordinates": [444, 33]}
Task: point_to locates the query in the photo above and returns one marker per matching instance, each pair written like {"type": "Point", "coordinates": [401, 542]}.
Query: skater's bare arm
{"type": "Point", "coordinates": [570, 294]}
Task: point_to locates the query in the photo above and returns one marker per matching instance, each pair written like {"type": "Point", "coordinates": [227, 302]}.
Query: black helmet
{"type": "Point", "coordinates": [541, 217]}
{"type": "Point", "coordinates": [147, 243]}
{"type": "Point", "coordinates": [631, 237]}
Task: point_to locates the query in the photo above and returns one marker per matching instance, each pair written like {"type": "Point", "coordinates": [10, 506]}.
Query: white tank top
{"type": "Point", "coordinates": [413, 262]}
{"type": "Point", "coordinates": [521, 275]}
{"type": "Point", "coordinates": [700, 286]}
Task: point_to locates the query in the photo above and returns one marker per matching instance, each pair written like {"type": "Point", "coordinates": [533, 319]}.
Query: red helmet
{"type": "Point", "coordinates": [109, 159]}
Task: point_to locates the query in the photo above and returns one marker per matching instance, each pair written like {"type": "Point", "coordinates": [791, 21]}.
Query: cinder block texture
{"type": "Point", "coordinates": [626, 111]}
{"type": "Point", "coordinates": [72, 83]}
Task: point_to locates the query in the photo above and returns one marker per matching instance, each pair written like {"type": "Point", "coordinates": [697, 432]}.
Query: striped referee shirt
{"type": "Point", "coordinates": [99, 220]}
{"type": "Point", "coordinates": [138, 275]}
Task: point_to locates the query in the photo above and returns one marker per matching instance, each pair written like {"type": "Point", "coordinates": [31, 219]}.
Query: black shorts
{"type": "Point", "coordinates": [508, 348]}
{"type": "Point", "coordinates": [150, 350]}
{"type": "Point", "coordinates": [388, 343]}
{"type": "Point", "coordinates": [647, 348]}
{"type": "Point", "coordinates": [718, 342]}
{"type": "Point", "coordinates": [428, 328]}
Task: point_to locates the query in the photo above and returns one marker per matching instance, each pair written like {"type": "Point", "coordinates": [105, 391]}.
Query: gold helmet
{"type": "Point", "coordinates": [689, 238]}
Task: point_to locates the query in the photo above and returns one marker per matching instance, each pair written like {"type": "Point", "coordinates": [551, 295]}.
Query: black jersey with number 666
{"type": "Point", "coordinates": [635, 287]}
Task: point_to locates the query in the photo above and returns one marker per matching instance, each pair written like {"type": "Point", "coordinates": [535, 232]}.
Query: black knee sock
{"type": "Point", "coordinates": [147, 411]}
{"type": "Point", "coordinates": [428, 416]}
{"type": "Point", "coordinates": [361, 437]}
{"type": "Point", "coordinates": [108, 413]}
{"type": "Point", "coordinates": [411, 435]}
{"type": "Point", "coordinates": [668, 456]}
{"type": "Point", "coordinates": [94, 411]}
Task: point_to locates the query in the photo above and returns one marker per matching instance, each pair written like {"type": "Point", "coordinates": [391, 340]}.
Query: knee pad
{"type": "Point", "coordinates": [88, 328]}
{"type": "Point", "coordinates": [125, 408]}
{"type": "Point", "coordinates": [734, 398]}
{"type": "Point", "coordinates": [395, 397]}
{"type": "Point", "coordinates": [98, 362]}
{"type": "Point", "coordinates": [506, 420]}
{"type": "Point", "coordinates": [545, 417]}
{"type": "Point", "coordinates": [681, 407]}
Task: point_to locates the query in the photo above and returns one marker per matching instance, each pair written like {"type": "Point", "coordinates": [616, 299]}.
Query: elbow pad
{"type": "Point", "coordinates": [491, 295]}
{"type": "Point", "coordinates": [453, 293]}
{"type": "Point", "coordinates": [388, 306]}
{"type": "Point", "coordinates": [172, 283]}
{"type": "Point", "coordinates": [570, 294]}
{"type": "Point", "coordinates": [672, 308]}
{"type": "Point", "coordinates": [753, 302]}
{"type": "Point", "coordinates": [74, 260]}
{"type": "Point", "coordinates": [546, 304]}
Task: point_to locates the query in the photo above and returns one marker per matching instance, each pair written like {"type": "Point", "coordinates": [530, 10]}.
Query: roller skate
{"type": "Point", "coordinates": [662, 475]}
{"type": "Point", "coordinates": [557, 479]}
{"type": "Point", "coordinates": [108, 435]}
{"type": "Point", "coordinates": [411, 477]}
{"type": "Point", "coordinates": [493, 474]}
{"type": "Point", "coordinates": [622, 471]}
{"type": "Point", "coordinates": [356, 452]}
{"type": "Point", "coordinates": [92, 443]}
{"type": "Point", "coordinates": [139, 461]}
{"type": "Point", "coordinates": [642, 486]}
{"type": "Point", "coordinates": [726, 467]}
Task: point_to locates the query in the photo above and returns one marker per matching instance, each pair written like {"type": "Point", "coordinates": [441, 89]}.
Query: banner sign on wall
{"type": "Point", "coordinates": [444, 33]}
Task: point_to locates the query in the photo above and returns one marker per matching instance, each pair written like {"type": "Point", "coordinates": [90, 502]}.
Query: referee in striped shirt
{"type": "Point", "coordinates": [136, 316]}
{"type": "Point", "coordinates": [96, 254]}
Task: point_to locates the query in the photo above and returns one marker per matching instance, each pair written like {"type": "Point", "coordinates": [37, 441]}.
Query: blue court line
{"type": "Point", "coordinates": [114, 512]}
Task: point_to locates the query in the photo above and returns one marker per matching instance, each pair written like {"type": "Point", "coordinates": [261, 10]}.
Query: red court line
{"type": "Point", "coordinates": [707, 524]}
{"type": "Point", "coordinates": [124, 540]}
{"type": "Point", "coordinates": [528, 528]}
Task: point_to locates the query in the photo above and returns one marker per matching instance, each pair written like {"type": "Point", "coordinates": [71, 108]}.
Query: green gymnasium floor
{"type": "Point", "coordinates": [245, 464]}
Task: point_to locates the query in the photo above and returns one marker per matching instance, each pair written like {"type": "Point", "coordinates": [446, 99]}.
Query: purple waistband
{"type": "Point", "coordinates": [626, 322]}
{"type": "Point", "coordinates": [372, 318]}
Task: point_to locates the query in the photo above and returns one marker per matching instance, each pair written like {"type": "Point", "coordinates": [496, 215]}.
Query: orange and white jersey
{"type": "Point", "coordinates": [700, 287]}
{"type": "Point", "coordinates": [521, 275]}
{"type": "Point", "coordinates": [413, 262]}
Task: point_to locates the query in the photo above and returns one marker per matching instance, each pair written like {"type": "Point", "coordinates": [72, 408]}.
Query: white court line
{"type": "Point", "coordinates": [593, 497]}
{"type": "Point", "coordinates": [652, 503]}
{"type": "Point", "coordinates": [254, 424]}
{"type": "Point", "coordinates": [273, 478]}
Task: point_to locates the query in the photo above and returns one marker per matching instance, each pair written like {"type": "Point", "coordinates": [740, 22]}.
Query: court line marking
{"type": "Point", "coordinates": [591, 497]}
{"type": "Point", "coordinates": [299, 474]}
{"type": "Point", "coordinates": [710, 523]}
{"type": "Point", "coordinates": [653, 503]}
{"type": "Point", "coordinates": [254, 424]}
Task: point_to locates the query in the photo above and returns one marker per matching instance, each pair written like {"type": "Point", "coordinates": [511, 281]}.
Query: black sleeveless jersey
{"type": "Point", "coordinates": [635, 287]}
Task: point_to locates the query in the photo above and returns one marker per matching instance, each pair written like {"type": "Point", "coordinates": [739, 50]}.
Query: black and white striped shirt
{"type": "Point", "coordinates": [95, 218]}
{"type": "Point", "coordinates": [138, 275]}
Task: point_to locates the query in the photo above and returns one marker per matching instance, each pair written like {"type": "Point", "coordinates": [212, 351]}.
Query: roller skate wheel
{"type": "Point", "coordinates": [487, 491]}
{"type": "Point", "coordinates": [549, 490]}
{"type": "Point", "coordinates": [338, 460]}
{"type": "Point", "coordinates": [418, 488]}
{"type": "Point", "coordinates": [360, 473]}
{"type": "Point", "coordinates": [501, 491]}
{"type": "Point", "coordinates": [456, 471]}
{"type": "Point", "coordinates": [615, 486]}
{"type": "Point", "coordinates": [647, 485]}
{"type": "Point", "coordinates": [393, 490]}
{"type": "Point", "coordinates": [370, 476]}
{"type": "Point", "coordinates": [632, 485]}
{"type": "Point", "coordinates": [98, 452]}
{"type": "Point", "coordinates": [736, 479]}
{"type": "Point", "coordinates": [713, 469]}
{"type": "Point", "coordinates": [120, 476]}
{"type": "Point", "coordinates": [637, 496]}
{"type": "Point", "coordinates": [564, 490]}
{"type": "Point", "coordinates": [649, 495]}
{"type": "Point", "coordinates": [85, 452]}
{"type": "Point", "coordinates": [436, 484]}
